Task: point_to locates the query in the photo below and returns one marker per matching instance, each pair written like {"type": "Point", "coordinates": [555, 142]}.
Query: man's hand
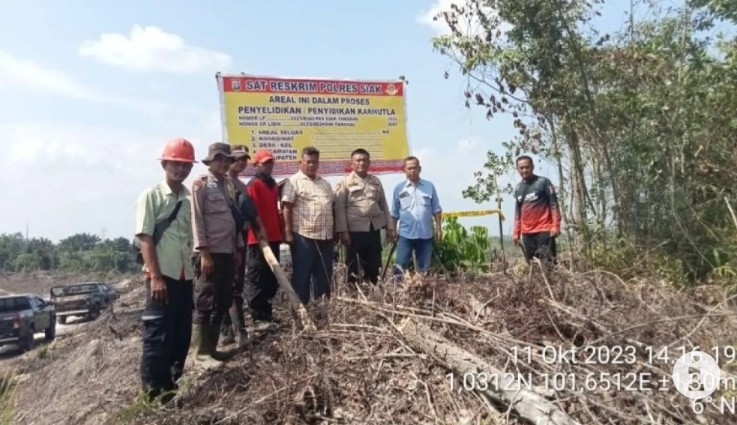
{"type": "Point", "coordinates": [438, 234]}
{"type": "Point", "coordinates": [554, 233]}
{"type": "Point", "coordinates": [206, 265]}
{"type": "Point", "coordinates": [391, 236]}
{"type": "Point", "coordinates": [158, 290]}
{"type": "Point", "coordinates": [288, 238]}
{"type": "Point", "coordinates": [345, 238]}
{"type": "Point", "coordinates": [516, 240]}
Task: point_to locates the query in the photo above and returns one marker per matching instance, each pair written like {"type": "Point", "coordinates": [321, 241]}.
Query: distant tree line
{"type": "Point", "coordinates": [81, 252]}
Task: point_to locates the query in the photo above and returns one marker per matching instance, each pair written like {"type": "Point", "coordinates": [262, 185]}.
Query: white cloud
{"type": "Point", "coordinates": [152, 49]}
{"type": "Point", "coordinates": [21, 74]}
{"type": "Point", "coordinates": [16, 71]}
{"type": "Point", "coordinates": [467, 25]}
{"type": "Point", "coordinates": [67, 178]}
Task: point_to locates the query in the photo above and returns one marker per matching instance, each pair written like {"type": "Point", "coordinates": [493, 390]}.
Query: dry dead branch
{"type": "Point", "coordinates": [497, 385]}
{"type": "Point", "coordinates": [595, 350]}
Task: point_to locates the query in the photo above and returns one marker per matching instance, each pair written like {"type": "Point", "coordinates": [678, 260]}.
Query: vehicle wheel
{"type": "Point", "coordinates": [94, 313]}
{"type": "Point", "coordinates": [62, 320]}
{"type": "Point", "coordinates": [28, 342]}
{"type": "Point", "coordinates": [51, 331]}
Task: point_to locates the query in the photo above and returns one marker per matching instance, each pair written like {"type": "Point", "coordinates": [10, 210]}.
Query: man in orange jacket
{"type": "Point", "coordinates": [536, 213]}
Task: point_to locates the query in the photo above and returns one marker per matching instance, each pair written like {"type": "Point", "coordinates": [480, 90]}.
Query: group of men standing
{"type": "Point", "coordinates": [202, 249]}
{"type": "Point", "coordinates": [202, 253]}
{"type": "Point", "coordinates": [316, 216]}
{"type": "Point", "coordinates": [195, 247]}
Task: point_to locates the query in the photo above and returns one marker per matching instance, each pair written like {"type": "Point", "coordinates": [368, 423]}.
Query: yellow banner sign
{"type": "Point", "coordinates": [472, 213]}
{"type": "Point", "coordinates": [285, 115]}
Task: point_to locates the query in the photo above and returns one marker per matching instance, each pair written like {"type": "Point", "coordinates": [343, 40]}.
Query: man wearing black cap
{"type": "Point", "coordinates": [216, 245]}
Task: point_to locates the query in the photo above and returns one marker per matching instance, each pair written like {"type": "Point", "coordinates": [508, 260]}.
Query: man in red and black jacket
{"type": "Point", "coordinates": [536, 213]}
{"type": "Point", "coordinates": [261, 284]}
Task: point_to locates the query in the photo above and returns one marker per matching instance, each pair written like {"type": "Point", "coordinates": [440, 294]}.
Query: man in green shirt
{"type": "Point", "coordinates": [164, 231]}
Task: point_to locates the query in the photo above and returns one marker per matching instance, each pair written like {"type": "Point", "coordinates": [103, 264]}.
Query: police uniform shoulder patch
{"type": "Point", "coordinates": [198, 183]}
{"type": "Point", "coordinates": [201, 181]}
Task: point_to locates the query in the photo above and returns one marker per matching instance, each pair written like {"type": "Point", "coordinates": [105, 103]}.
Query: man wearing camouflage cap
{"type": "Point", "coordinates": [233, 328]}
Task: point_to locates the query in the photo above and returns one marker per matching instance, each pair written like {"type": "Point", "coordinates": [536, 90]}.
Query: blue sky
{"type": "Point", "coordinates": [90, 92]}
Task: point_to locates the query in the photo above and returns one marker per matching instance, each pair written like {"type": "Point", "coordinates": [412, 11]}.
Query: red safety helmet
{"type": "Point", "coordinates": [179, 149]}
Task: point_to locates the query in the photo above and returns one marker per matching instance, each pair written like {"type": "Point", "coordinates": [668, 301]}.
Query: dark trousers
{"type": "Point", "coordinates": [540, 245]}
{"type": "Point", "coordinates": [365, 249]}
{"type": "Point", "coordinates": [167, 330]}
{"type": "Point", "coordinates": [214, 293]}
{"type": "Point", "coordinates": [261, 284]}
{"type": "Point", "coordinates": [312, 267]}
{"type": "Point", "coordinates": [239, 280]}
{"type": "Point", "coordinates": [237, 296]}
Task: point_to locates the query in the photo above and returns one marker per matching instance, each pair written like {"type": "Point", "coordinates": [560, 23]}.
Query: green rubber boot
{"type": "Point", "coordinates": [204, 347]}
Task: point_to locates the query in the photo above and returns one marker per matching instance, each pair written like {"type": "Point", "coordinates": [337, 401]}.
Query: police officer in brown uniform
{"type": "Point", "coordinates": [216, 244]}
{"type": "Point", "coordinates": [361, 211]}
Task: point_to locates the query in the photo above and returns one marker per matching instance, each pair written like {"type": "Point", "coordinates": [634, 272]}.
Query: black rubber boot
{"type": "Point", "coordinates": [239, 324]}
{"type": "Point", "coordinates": [212, 333]}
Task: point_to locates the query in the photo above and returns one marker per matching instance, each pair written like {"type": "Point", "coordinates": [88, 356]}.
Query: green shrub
{"type": "Point", "coordinates": [460, 249]}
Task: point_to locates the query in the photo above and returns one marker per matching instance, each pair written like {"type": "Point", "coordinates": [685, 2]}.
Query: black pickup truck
{"type": "Point", "coordinates": [82, 299]}
{"type": "Point", "coordinates": [23, 315]}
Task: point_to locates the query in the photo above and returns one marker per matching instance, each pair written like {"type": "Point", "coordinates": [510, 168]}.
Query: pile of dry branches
{"type": "Point", "coordinates": [492, 350]}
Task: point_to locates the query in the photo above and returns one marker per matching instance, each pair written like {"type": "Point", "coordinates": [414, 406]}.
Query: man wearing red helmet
{"type": "Point", "coordinates": [164, 232]}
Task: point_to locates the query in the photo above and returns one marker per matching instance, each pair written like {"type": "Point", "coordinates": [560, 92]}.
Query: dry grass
{"type": "Point", "coordinates": [360, 369]}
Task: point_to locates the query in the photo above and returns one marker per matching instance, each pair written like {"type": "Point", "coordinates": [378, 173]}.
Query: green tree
{"type": "Point", "coordinates": [116, 254]}
{"type": "Point", "coordinates": [11, 246]}
{"type": "Point", "coordinates": [634, 120]}
{"type": "Point", "coordinates": [78, 242]}
{"type": "Point", "coordinates": [44, 252]}
{"type": "Point", "coordinates": [26, 263]}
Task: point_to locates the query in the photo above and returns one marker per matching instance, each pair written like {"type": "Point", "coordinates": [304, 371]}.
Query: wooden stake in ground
{"type": "Point", "coordinates": [294, 302]}
{"type": "Point", "coordinates": [528, 404]}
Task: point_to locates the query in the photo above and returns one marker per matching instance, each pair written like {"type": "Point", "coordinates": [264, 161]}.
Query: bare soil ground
{"type": "Point", "coordinates": [41, 282]}
{"type": "Point", "coordinates": [363, 367]}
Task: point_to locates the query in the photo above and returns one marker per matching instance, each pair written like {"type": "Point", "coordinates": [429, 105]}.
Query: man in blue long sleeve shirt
{"type": "Point", "coordinates": [415, 206]}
